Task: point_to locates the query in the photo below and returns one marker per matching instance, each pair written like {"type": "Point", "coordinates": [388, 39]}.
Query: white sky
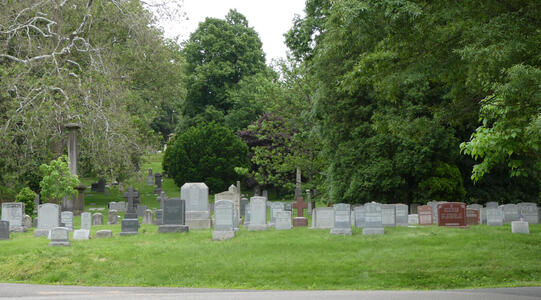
{"type": "Point", "coordinates": [271, 19]}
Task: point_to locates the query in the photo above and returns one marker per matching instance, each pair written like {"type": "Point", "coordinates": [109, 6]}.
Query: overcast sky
{"type": "Point", "coordinates": [271, 19]}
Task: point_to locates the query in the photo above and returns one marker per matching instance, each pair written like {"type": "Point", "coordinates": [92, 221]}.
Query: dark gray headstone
{"type": "Point", "coordinates": [159, 217]}
{"type": "Point", "coordinates": [131, 195]}
{"type": "Point", "coordinates": [158, 182]}
{"type": "Point", "coordinates": [101, 186]}
{"type": "Point", "coordinates": [288, 206]}
{"type": "Point", "coordinates": [174, 212]}
{"type": "Point", "coordinates": [243, 203]}
{"type": "Point", "coordinates": [4, 230]}
{"type": "Point", "coordinates": [130, 227]}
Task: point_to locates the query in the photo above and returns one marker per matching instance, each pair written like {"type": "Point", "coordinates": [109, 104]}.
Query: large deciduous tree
{"type": "Point", "coordinates": [219, 54]}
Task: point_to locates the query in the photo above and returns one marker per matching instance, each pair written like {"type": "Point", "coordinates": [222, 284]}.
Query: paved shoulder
{"type": "Point", "coordinates": [29, 291]}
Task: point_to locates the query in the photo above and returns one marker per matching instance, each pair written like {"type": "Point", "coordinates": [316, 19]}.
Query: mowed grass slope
{"type": "Point", "coordinates": [404, 258]}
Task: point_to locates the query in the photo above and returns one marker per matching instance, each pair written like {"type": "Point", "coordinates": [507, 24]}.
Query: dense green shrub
{"type": "Point", "coordinates": [207, 153]}
{"type": "Point", "coordinates": [27, 196]}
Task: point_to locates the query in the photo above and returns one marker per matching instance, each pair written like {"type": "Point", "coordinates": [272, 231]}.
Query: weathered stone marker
{"type": "Point", "coordinates": [196, 195]}
{"type": "Point", "coordinates": [148, 217]}
{"type": "Point", "coordinates": [373, 223]}
{"type": "Point", "coordinates": [473, 216]}
{"type": "Point", "coordinates": [48, 218]}
{"type": "Point", "coordinates": [258, 213]}
{"type": "Point", "coordinates": [131, 213]}
{"type": "Point", "coordinates": [59, 237]}
{"type": "Point", "coordinates": [300, 220]}
{"type": "Point", "coordinates": [401, 211]}
{"type": "Point", "coordinates": [97, 219]}
{"type": "Point", "coordinates": [425, 215]}
{"type": "Point", "coordinates": [520, 227]}
{"type": "Point", "coordinates": [112, 217]}
{"type": "Point", "coordinates": [13, 212]}
{"type": "Point", "coordinates": [66, 217]}
{"type": "Point", "coordinates": [342, 219]}
{"type": "Point", "coordinates": [494, 216]}
{"type": "Point", "coordinates": [86, 221]}
{"type": "Point", "coordinates": [158, 182]}
{"type": "Point", "coordinates": [224, 215]}
{"type": "Point", "coordinates": [323, 218]}
{"type": "Point", "coordinates": [283, 220]}
{"type": "Point", "coordinates": [4, 230]}
{"type": "Point", "coordinates": [388, 215]}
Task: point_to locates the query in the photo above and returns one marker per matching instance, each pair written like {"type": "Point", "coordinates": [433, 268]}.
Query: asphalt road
{"type": "Point", "coordinates": [29, 291]}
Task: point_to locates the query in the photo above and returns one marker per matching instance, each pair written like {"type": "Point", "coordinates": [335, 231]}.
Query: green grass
{"type": "Point", "coordinates": [403, 258]}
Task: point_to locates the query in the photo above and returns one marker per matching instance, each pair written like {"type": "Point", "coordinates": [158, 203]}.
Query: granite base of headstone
{"type": "Point", "coordinates": [4, 230]}
{"type": "Point", "coordinates": [520, 227]}
{"type": "Point", "coordinates": [373, 231]}
{"type": "Point", "coordinates": [112, 217]}
{"type": "Point", "coordinates": [413, 219]}
{"type": "Point", "coordinates": [129, 227]}
{"type": "Point", "coordinates": [223, 235]}
{"type": "Point", "coordinates": [59, 237]}
{"type": "Point", "coordinates": [104, 234]}
{"type": "Point", "coordinates": [81, 234]}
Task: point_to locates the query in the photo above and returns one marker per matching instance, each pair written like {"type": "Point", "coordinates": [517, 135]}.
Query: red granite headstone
{"type": "Point", "coordinates": [452, 214]}
{"type": "Point", "coordinates": [300, 205]}
{"type": "Point", "coordinates": [472, 216]}
{"type": "Point", "coordinates": [425, 215]}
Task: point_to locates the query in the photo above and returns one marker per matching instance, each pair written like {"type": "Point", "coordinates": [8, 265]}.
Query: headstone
{"type": "Point", "coordinates": [342, 219]}
{"type": "Point", "coordinates": [81, 234]}
{"type": "Point", "coordinates": [4, 230]}
{"type": "Point", "coordinates": [101, 186]}
{"type": "Point", "coordinates": [196, 195]}
{"type": "Point", "coordinates": [150, 177]}
{"type": "Point", "coordinates": [373, 223]}
{"type": "Point", "coordinates": [118, 206]}
{"type": "Point", "coordinates": [265, 194]}
{"type": "Point", "coordinates": [86, 221]}
{"type": "Point", "coordinates": [323, 218]}
{"type": "Point", "coordinates": [510, 213]}
{"type": "Point", "coordinates": [148, 217]}
{"type": "Point", "coordinates": [97, 219]}
{"type": "Point", "coordinates": [425, 215]}
{"type": "Point", "coordinates": [36, 203]}
{"type": "Point", "coordinates": [174, 216]}
{"type": "Point", "coordinates": [529, 212]}
{"type": "Point", "coordinates": [48, 218]}
{"type": "Point", "coordinates": [112, 217]}
{"type": "Point", "coordinates": [141, 210]}
{"type": "Point", "coordinates": [275, 207]}
{"type": "Point", "coordinates": [13, 212]}
{"type": "Point", "coordinates": [413, 208]}
{"type": "Point", "coordinates": [358, 212]}
{"type": "Point", "coordinates": [159, 217]}
{"type": "Point", "coordinates": [283, 220]}
{"type": "Point", "coordinates": [258, 213]}
{"type": "Point", "coordinates": [388, 215]}
{"type": "Point", "coordinates": [66, 217]}
{"type": "Point", "coordinates": [104, 233]}
{"type": "Point", "coordinates": [243, 203]}
{"type": "Point", "coordinates": [300, 220]}
{"type": "Point", "coordinates": [298, 183]}
{"type": "Point", "coordinates": [236, 197]}
{"type": "Point", "coordinates": [35, 222]}
{"type": "Point", "coordinates": [434, 205]}
{"type": "Point", "coordinates": [129, 227]}
{"type": "Point", "coordinates": [247, 215]}
{"type": "Point", "coordinates": [131, 213]}
{"type": "Point", "coordinates": [27, 221]}
{"type": "Point", "coordinates": [158, 182]}
{"type": "Point", "coordinates": [482, 212]}
{"type": "Point", "coordinates": [413, 219]}
{"type": "Point", "coordinates": [401, 214]}
{"type": "Point", "coordinates": [520, 227]}
{"type": "Point", "coordinates": [492, 204]}
{"type": "Point", "coordinates": [452, 214]}
{"type": "Point", "coordinates": [59, 236]}
{"type": "Point", "coordinates": [224, 226]}
{"type": "Point", "coordinates": [473, 216]}
{"type": "Point", "coordinates": [494, 216]}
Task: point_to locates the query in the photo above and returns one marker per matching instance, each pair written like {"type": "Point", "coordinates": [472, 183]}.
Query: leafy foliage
{"type": "Point", "coordinates": [219, 54]}
{"type": "Point", "coordinates": [207, 153]}
{"type": "Point", "coordinates": [57, 181]}
{"type": "Point", "coordinates": [28, 197]}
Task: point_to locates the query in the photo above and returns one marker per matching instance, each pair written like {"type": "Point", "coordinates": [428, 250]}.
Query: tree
{"type": "Point", "coordinates": [28, 197]}
{"type": "Point", "coordinates": [207, 153]}
{"type": "Point", "coordinates": [219, 54]}
{"type": "Point", "coordinates": [57, 181]}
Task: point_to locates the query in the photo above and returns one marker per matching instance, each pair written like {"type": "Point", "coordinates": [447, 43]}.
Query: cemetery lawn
{"type": "Point", "coordinates": [404, 258]}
